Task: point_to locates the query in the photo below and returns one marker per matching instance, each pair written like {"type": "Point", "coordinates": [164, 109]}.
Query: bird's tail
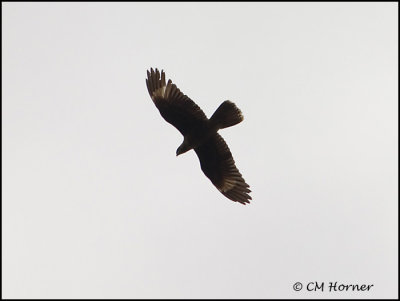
{"type": "Point", "coordinates": [226, 115]}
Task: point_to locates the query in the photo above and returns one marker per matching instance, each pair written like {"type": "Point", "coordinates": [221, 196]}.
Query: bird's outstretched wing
{"type": "Point", "coordinates": [174, 106]}
{"type": "Point", "coordinates": [218, 165]}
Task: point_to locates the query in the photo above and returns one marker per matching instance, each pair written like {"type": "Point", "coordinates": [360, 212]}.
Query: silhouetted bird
{"type": "Point", "coordinates": [200, 134]}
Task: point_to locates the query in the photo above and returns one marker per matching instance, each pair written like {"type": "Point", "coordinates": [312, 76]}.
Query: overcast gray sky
{"type": "Point", "coordinates": [97, 205]}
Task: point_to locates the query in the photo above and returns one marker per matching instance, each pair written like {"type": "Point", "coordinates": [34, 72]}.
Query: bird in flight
{"type": "Point", "coordinates": [201, 134]}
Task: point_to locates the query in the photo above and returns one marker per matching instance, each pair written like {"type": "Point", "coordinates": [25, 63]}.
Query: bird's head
{"type": "Point", "coordinates": [183, 148]}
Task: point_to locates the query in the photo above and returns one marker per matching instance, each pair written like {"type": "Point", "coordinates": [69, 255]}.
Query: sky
{"type": "Point", "coordinates": [95, 203]}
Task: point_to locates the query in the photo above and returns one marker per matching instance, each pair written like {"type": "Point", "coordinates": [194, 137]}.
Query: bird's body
{"type": "Point", "coordinates": [201, 134]}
